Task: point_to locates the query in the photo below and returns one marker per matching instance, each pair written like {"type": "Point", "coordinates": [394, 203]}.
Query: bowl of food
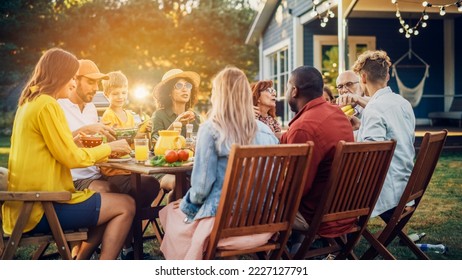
{"type": "Point", "coordinates": [91, 141]}
{"type": "Point", "coordinates": [126, 133]}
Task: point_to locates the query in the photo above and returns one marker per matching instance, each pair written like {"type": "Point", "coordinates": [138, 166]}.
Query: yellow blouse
{"type": "Point", "coordinates": [41, 156]}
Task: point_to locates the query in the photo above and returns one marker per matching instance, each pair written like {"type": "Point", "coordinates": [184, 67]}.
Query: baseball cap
{"type": "Point", "coordinates": [89, 69]}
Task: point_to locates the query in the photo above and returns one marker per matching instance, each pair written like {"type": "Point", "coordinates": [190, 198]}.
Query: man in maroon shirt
{"type": "Point", "coordinates": [324, 124]}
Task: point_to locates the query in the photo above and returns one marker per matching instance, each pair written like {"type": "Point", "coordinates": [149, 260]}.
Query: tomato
{"type": "Point", "coordinates": [171, 156]}
{"type": "Point", "coordinates": [183, 155]}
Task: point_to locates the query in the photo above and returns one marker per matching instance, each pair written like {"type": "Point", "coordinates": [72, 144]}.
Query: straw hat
{"type": "Point", "coordinates": [175, 74]}
{"type": "Point", "coordinates": [89, 69]}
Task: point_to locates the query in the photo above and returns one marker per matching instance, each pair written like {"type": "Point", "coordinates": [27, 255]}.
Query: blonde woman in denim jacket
{"type": "Point", "coordinates": [188, 223]}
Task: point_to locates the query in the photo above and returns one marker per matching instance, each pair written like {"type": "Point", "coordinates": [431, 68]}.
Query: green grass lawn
{"type": "Point", "coordinates": [439, 214]}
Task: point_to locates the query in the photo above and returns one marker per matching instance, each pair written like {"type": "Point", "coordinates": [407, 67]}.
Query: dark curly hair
{"type": "Point", "coordinates": [257, 88]}
{"type": "Point", "coordinates": [164, 97]}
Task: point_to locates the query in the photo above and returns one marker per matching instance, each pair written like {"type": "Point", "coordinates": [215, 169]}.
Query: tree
{"type": "Point", "coordinates": [142, 38]}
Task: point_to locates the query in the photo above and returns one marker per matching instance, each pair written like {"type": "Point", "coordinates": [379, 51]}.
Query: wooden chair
{"type": "Point", "coordinates": [261, 194]}
{"type": "Point", "coordinates": [155, 223]}
{"type": "Point", "coordinates": [9, 244]}
{"type": "Point", "coordinates": [425, 164]}
{"type": "Point", "coordinates": [354, 184]}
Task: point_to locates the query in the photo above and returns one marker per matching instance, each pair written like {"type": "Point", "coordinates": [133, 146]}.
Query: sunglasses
{"type": "Point", "coordinates": [346, 85]}
{"type": "Point", "coordinates": [180, 86]}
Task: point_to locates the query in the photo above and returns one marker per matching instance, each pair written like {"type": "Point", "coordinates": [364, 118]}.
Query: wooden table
{"type": "Point", "coordinates": [148, 212]}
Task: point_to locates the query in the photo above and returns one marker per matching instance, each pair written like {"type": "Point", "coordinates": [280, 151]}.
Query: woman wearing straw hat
{"type": "Point", "coordinates": [175, 95]}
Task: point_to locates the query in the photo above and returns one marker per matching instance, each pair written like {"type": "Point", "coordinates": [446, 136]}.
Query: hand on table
{"type": "Point", "coordinates": [120, 147]}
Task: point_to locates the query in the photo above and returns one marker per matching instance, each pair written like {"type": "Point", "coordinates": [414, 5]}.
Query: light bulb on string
{"type": "Point", "coordinates": [425, 16]}
{"type": "Point", "coordinates": [408, 35]}
{"type": "Point", "coordinates": [401, 30]}
{"type": "Point", "coordinates": [424, 24]}
{"type": "Point", "coordinates": [323, 24]}
{"type": "Point", "coordinates": [398, 14]}
{"type": "Point", "coordinates": [393, 1]}
{"type": "Point", "coordinates": [442, 11]}
{"type": "Point", "coordinates": [459, 6]}
{"type": "Point", "coordinates": [416, 32]}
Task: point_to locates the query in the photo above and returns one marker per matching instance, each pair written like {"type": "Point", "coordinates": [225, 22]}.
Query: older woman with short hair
{"type": "Point", "coordinates": [264, 102]}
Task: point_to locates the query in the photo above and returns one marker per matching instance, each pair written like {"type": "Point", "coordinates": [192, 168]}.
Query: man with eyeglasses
{"type": "Point", "coordinates": [350, 92]}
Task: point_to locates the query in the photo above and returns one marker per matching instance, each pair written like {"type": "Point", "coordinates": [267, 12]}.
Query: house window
{"type": "Point", "coordinates": [279, 65]}
{"type": "Point", "coordinates": [279, 70]}
{"type": "Point", "coordinates": [326, 54]}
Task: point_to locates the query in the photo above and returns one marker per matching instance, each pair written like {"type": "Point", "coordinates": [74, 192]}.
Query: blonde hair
{"type": "Point", "coordinates": [232, 111]}
{"type": "Point", "coordinates": [376, 64]}
{"type": "Point", "coordinates": [117, 79]}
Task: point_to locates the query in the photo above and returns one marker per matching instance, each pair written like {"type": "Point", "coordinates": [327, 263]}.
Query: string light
{"type": "Point", "coordinates": [442, 11]}
{"type": "Point", "coordinates": [323, 19]}
{"type": "Point", "coordinates": [407, 30]}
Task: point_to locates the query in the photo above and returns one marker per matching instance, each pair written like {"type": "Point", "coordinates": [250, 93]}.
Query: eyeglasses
{"type": "Point", "coordinates": [346, 85]}
{"type": "Point", "coordinates": [270, 90]}
{"type": "Point", "coordinates": [180, 86]}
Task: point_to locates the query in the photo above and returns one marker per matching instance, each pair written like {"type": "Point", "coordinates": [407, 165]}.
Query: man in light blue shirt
{"type": "Point", "coordinates": [387, 116]}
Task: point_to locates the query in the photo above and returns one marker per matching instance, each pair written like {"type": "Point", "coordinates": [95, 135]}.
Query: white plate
{"type": "Point", "coordinates": [119, 159]}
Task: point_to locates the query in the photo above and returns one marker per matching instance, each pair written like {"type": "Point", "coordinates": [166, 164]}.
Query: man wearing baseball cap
{"type": "Point", "coordinates": [82, 117]}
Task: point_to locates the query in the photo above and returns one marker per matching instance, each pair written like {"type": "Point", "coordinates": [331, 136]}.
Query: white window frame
{"type": "Point", "coordinates": [267, 72]}
{"type": "Point", "coordinates": [353, 41]}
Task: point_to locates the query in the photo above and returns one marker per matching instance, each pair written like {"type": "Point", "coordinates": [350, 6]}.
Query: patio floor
{"type": "Point", "coordinates": [453, 142]}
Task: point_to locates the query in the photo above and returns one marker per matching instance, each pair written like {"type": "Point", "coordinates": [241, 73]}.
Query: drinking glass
{"type": "Point", "coordinates": [141, 150]}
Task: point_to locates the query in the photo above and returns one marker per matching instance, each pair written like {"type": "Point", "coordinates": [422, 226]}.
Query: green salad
{"type": "Point", "coordinates": [160, 161]}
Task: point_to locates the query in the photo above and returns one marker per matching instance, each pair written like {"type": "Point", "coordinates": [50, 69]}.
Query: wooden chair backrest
{"type": "Point", "coordinates": [358, 173]}
{"type": "Point", "coordinates": [354, 185]}
{"type": "Point", "coordinates": [261, 193]}
{"type": "Point", "coordinates": [424, 166]}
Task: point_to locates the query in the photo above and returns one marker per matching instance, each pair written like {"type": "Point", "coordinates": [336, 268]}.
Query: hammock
{"type": "Point", "coordinates": [413, 95]}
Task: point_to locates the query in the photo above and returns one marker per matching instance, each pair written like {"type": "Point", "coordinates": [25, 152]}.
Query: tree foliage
{"type": "Point", "coordinates": [142, 38]}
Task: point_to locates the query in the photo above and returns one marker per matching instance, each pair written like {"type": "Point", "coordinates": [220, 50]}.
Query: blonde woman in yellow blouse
{"type": "Point", "coordinates": [42, 153]}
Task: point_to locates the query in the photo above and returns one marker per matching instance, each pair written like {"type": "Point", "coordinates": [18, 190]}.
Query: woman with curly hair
{"type": "Point", "coordinates": [176, 96]}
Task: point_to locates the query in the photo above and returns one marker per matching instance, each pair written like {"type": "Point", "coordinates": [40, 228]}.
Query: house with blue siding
{"type": "Point", "coordinates": [289, 34]}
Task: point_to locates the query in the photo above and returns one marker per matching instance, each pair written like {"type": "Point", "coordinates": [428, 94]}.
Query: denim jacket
{"type": "Point", "coordinates": [209, 170]}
